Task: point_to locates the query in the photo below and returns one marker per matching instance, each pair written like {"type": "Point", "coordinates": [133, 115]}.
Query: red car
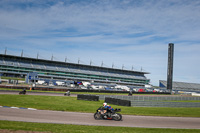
{"type": "Point", "coordinates": [141, 90]}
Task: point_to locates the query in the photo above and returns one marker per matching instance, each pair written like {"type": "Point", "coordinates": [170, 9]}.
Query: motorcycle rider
{"type": "Point", "coordinates": [24, 91]}
{"type": "Point", "coordinates": [67, 93]}
{"type": "Point", "coordinates": [108, 110]}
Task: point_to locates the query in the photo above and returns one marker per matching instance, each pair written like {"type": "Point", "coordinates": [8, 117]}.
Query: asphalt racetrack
{"type": "Point", "coordinates": [60, 117]}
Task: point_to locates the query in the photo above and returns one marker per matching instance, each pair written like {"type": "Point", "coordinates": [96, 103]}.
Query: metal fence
{"type": "Point", "coordinates": [164, 104]}
{"type": "Point", "coordinates": [158, 101]}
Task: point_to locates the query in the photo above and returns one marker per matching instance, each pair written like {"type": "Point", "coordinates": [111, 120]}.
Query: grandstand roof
{"type": "Point", "coordinates": [181, 85]}
{"type": "Point", "coordinates": [71, 64]}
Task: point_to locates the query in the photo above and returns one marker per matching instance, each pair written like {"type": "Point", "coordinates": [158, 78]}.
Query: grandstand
{"type": "Point", "coordinates": [18, 66]}
{"type": "Point", "coordinates": [181, 86]}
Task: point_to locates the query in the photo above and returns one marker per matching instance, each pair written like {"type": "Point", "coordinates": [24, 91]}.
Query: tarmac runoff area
{"type": "Point", "coordinates": [60, 117]}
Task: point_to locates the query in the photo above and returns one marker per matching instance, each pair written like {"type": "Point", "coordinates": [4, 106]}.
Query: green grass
{"type": "Point", "coordinates": [59, 103]}
{"type": "Point", "coordinates": [90, 93]}
{"type": "Point", "coordinates": [13, 78]}
{"type": "Point", "coordinates": [10, 89]}
{"type": "Point", "coordinates": [63, 128]}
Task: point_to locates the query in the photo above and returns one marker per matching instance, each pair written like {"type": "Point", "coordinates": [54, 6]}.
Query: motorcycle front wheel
{"type": "Point", "coordinates": [97, 116]}
{"type": "Point", "coordinates": [117, 117]}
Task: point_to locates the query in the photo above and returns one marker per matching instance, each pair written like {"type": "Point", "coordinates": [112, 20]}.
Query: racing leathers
{"type": "Point", "coordinates": [108, 110]}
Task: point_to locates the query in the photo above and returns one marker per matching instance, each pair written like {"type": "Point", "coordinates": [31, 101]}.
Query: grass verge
{"type": "Point", "coordinates": [12, 78]}
{"type": "Point", "coordinates": [63, 128]}
{"type": "Point", "coordinates": [72, 104]}
{"type": "Point", "coordinates": [90, 93]}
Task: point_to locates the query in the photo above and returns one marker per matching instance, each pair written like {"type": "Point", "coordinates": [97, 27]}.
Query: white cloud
{"type": "Point", "coordinates": [123, 32]}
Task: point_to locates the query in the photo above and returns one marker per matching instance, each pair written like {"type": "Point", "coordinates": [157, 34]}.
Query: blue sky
{"type": "Point", "coordinates": [133, 33]}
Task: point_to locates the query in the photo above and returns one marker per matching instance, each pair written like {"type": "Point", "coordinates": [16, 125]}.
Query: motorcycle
{"type": "Point", "coordinates": [22, 92]}
{"type": "Point", "coordinates": [102, 113]}
{"type": "Point", "coordinates": [67, 93]}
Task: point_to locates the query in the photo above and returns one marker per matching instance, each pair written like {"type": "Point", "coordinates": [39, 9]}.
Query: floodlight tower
{"type": "Point", "coordinates": [170, 66]}
{"type": "Point", "coordinates": [5, 50]}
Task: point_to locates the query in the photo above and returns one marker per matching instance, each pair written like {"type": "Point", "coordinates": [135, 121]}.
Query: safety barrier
{"type": "Point", "coordinates": [118, 101]}
{"type": "Point", "coordinates": [151, 98]}
{"type": "Point", "coordinates": [164, 104]}
{"type": "Point", "coordinates": [156, 101]}
{"type": "Point", "coordinates": [88, 97]}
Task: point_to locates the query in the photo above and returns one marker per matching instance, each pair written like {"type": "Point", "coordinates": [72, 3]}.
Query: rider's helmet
{"type": "Point", "coordinates": [104, 104]}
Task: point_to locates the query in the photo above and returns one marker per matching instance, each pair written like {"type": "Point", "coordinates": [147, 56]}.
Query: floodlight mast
{"type": "Point", "coordinates": [52, 57]}
{"type": "Point", "coordinates": [90, 62]}
{"type": "Point", "coordinates": [22, 53]}
{"type": "Point", "coordinates": [5, 50]}
{"type": "Point", "coordinates": [78, 60]}
{"type": "Point", "coordinates": [170, 67]}
{"type": "Point", "coordinates": [65, 59]}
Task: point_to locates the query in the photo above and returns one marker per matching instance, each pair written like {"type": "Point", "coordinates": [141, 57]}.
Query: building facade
{"type": "Point", "coordinates": [181, 86]}
{"type": "Point", "coordinates": [17, 66]}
